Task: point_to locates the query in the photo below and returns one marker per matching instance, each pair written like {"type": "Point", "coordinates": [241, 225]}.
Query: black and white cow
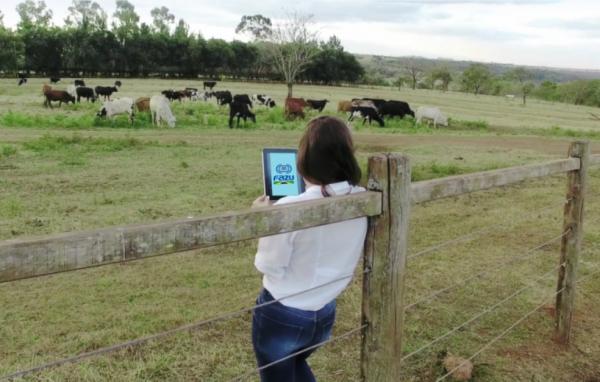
{"type": "Point", "coordinates": [22, 81]}
{"type": "Point", "coordinates": [366, 113]}
{"type": "Point", "coordinates": [263, 99]}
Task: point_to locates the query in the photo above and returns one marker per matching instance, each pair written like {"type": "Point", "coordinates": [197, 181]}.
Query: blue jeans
{"type": "Point", "coordinates": [278, 331]}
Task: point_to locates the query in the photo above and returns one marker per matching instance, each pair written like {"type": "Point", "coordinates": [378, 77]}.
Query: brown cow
{"type": "Point", "coordinates": [142, 104]}
{"type": "Point", "coordinates": [57, 95]}
{"type": "Point", "coordinates": [344, 106]}
{"type": "Point", "coordinates": [294, 107]}
{"type": "Point", "coordinates": [46, 88]}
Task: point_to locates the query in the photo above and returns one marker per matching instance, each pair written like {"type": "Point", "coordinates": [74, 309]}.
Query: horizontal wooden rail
{"type": "Point", "coordinates": [461, 184]}
{"type": "Point", "coordinates": [65, 252]}
{"type": "Point", "coordinates": [595, 160]}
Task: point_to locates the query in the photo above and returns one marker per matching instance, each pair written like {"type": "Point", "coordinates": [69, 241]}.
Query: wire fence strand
{"type": "Point", "coordinates": [502, 265]}
{"type": "Point", "coordinates": [167, 333]}
{"type": "Point", "coordinates": [479, 232]}
{"type": "Point", "coordinates": [332, 339]}
{"type": "Point", "coordinates": [481, 314]}
{"type": "Point", "coordinates": [511, 327]}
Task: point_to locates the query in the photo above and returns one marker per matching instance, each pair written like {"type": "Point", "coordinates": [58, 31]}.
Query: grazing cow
{"type": "Point", "coordinates": [54, 80]}
{"type": "Point", "coordinates": [209, 84]}
{"type": "Point", "coordinates": [105, 91]}
{"type": "Point", "coordinates": [363, 103]}
{"type": "Point", "coordinates": [396, 109]}
{"type": "Point", "coordinates": [317, 104]}
{"type": "Point", "coordinates": [161, 111]}
{"type": "Point", "coordinates": [79, 83]}
{"type": "Point", "coordinates": [242, 98]}
{"type": "Point", "coordinates": [46, 88]}
{"type": "Point", "coordinates": [173, 95]}
{"type": "Point", "coordinates": [85, 92]}
{"type": "Point", "coordinates": [240, 110]}
{"type": "Point", "coordinates": [196, 96]}
{"type": "Point", "coordinates": [116, 107]}
{"type": "Point", "coordinates": [367, 113]}
{"type": "Point", "coordinates": [294, 107]}
{"type": "Point", "coordinates": [344, 106]}
{"type": "Point", "coordinates": [22, 81]}
{"type": "Point", "coordinates": [223, 97]}
{"type": "Point", "coordinates": [431, 113]}
{"type": "Point", "coordinates": [57, 95]}
{"type": "Point", "coordinates": [142, 104]}
{"type": "Point", "coordinates": [118, 83]}
{"type": "Point", "coordinates": [378, 102]}
{"type": "Point", "coordinates": [263, 99]}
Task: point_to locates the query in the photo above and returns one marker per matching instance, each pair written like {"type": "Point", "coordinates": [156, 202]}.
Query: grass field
{"type": "Point", "coordinates": [62, 170]}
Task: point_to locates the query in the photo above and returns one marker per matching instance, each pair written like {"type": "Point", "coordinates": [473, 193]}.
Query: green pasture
{"type": "Point", "coordinates": [64, 170]}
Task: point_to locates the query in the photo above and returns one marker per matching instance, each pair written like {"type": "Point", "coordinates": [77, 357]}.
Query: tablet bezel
{"type": "Point", "coordinates": [266, 168]}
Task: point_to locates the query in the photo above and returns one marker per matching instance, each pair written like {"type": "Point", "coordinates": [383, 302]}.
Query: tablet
{"type": "Point", "coordinates": [281, 176]}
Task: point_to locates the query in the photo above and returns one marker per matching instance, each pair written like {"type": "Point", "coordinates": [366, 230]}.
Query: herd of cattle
{"type": "Point", "coordinates": [241, 106]}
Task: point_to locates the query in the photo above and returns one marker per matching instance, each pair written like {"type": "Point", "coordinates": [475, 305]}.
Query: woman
{"type": "Point", "coordinates": [312, 258]}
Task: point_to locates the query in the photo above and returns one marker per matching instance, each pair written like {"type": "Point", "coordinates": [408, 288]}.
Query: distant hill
{"type": "Point", "coordinates": [390, 68]}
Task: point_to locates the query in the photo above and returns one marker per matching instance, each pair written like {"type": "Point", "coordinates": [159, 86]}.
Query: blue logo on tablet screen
{"type": "Point", "coordinates": [283, 175]}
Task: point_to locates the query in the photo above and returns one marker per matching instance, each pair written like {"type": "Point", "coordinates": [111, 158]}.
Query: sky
{"type": "Point", "coordinates": [554, 33]}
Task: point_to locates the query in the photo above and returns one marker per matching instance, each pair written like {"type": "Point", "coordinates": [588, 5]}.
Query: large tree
{"type": "Point", "coordinates": [293, 46]}
{"type": "Point", "coordinates": [413, 72]}
{"type": "Point", "coordinates": [523, 77]}
{"type": "Point", "coordinates": [125, 21]}
{"type": "Point", "coordinates": [162, 19]}
{"type": "Point", "coordinates": [475, 77]}
{"type": "Point", "coordinates": [86, 15]}
{"type": "Point", "coordinates": [33, 14]}
{"type": "Point", "coordinates": [442, 75]}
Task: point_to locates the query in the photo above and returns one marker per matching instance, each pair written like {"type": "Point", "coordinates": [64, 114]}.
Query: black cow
{"type": "Point", "coordinates": [209, 84]}
{"type": "Point", "coordinates": [223, 97]}
{"type": "Point", "coordinates": [396, 109]}
{"type": "Point", "coordinates": [317, 104]}
{"type": "Point", "coordinates": [54, 80]}
{"type": "Point", "coordinates": [79, 83]}
{"type": "Point", "coordinates": [105, 91]}
{"type": "Point", "coordinates": [264, 100]}
{"type": "Point", "coordinates": [84, 92]}
{"type": "Point", "coordinates": [118, 83]}
{"type": "Point", "coordinates": [240, 110]}
{"type": "Point", "coordinates": [367, 113]}
{"type": "Point", "coordinates": [173, 95]}
{"type": "Point", "coordinates": [242, 98]}
{"type": "Point", "coordinates": [22, 81]}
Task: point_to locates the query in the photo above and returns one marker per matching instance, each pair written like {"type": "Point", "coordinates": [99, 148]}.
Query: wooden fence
{"type": "Point", "coordinates": [387, 204]}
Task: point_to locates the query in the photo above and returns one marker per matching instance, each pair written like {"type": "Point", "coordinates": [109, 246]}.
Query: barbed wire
{"type": "Point", "coordinates": [499, 266]}
{"type": "Point", "coordinates": [480, 314]}
{"type": "Point", "coordinates": [511, 327]}
{"type": "Point", "coordinates": [143, 340]}
{"type": "Point", "coordinates": [258, 369]}
{"type": "Point", "coordinates": [477, 233]}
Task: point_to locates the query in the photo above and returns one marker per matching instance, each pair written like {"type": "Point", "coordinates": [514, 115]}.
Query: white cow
{"type": "Point", "coordinates": [160, 110]}
{"type": "Point", "coordinates": [72, 90]}
{"type": "Point", "coordinates": [118, 106]}
{"type": "Point", "coordinates": [432, 113]}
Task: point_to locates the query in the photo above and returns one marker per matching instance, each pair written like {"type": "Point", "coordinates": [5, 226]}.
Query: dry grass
{"type": "Point", "coordinates": [54, 180]}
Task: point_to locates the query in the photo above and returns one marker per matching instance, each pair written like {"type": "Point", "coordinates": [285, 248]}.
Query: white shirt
{"type": "Point", "coordinates": [296, 261]}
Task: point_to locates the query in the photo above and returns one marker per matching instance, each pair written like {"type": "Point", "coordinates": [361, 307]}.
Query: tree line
{"type": "Point", "coordinates": [89, 45]}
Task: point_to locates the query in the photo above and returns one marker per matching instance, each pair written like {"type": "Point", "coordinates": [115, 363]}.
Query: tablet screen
{"type": "Point", "coordinates": [281, 175]}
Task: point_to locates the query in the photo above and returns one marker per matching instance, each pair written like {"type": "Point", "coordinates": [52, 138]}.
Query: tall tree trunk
{"type": "Point", "coordinates": [289, 86]}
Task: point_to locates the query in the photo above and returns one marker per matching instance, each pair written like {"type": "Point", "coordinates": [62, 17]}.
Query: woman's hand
{"type": "Point", "coordinates": [262, 201]}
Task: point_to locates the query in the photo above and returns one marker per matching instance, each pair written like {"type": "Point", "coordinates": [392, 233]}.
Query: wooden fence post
{"type": "Point", "coordinates": [571, 242]}
{"type": "Point", "coordinates": [385, 257]}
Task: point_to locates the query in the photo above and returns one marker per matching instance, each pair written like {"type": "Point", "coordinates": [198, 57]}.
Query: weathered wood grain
{"type": "Point", "coordinates": [456, 185]}
{"type": "Point", "coordinates": [571, 242]}
{"type": "Point", "coordinates": [385, 257]}
{"type": "Point", "coordinates": [595, 160]}
{"type": "Point", "coordinates": [65, 252]}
